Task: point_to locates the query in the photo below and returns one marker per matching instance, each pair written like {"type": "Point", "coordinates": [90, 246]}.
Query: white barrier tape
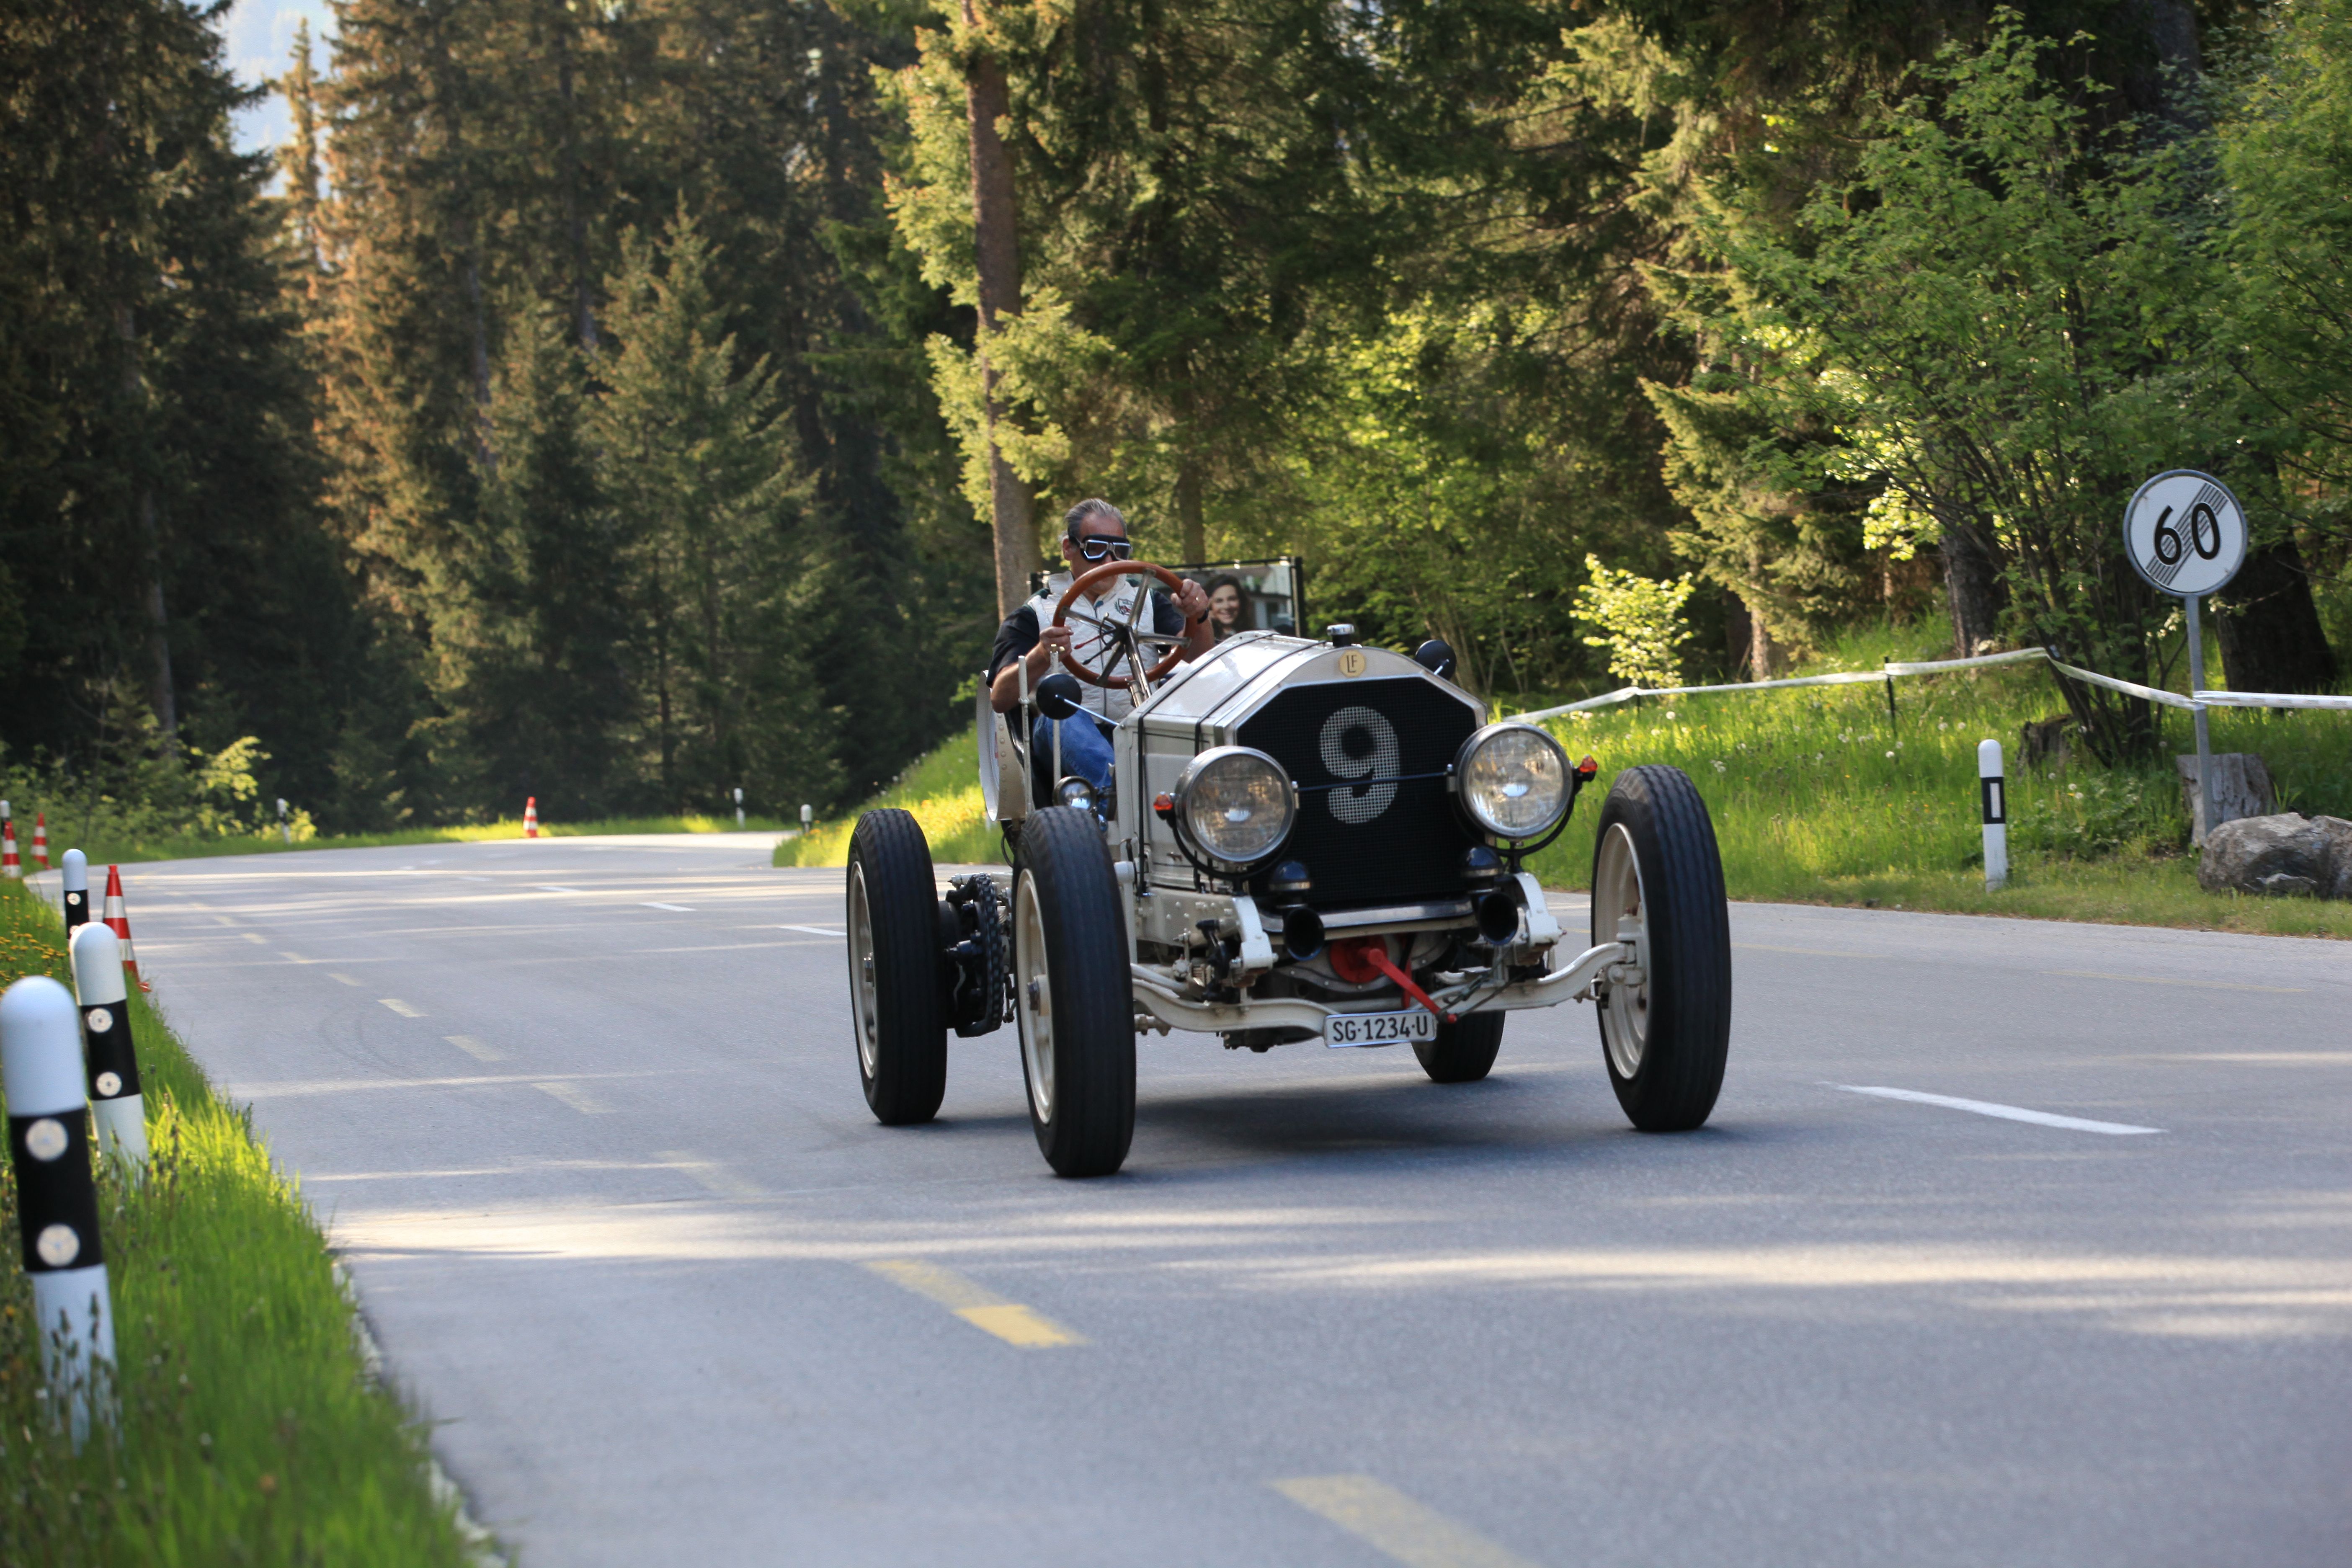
{"type": "Point", "coordinates": [2148, 693]}
{"type": "Point", "coordinates": [1981, 661]}
{"type": "Point", "coordinates": [1936, 666]}
{"type": "Point", "coordinates": [2269, 699]}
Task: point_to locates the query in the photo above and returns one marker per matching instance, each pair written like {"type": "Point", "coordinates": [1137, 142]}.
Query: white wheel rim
{"type": "Point", "coordinates": [861, 975]}
{"type": "Point", "coordinates": [1616, 898]}
{"type": "Point", "coordinates": [1034, 998]}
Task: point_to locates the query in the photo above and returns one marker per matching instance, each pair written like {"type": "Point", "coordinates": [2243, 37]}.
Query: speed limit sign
{"type": "Point", "coordinates": [2185, 532]}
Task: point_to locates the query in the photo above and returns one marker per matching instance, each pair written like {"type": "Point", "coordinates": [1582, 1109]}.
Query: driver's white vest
{"type": "Point", "coordinates": [1092, 647]}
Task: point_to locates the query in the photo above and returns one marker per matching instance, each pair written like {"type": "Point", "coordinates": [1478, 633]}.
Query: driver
{"type": "Point", "coordinates": [1092, 532]}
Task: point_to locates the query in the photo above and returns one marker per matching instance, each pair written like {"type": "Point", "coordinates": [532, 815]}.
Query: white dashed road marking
{"type": "Point", "coordinates": [2006, 1112]}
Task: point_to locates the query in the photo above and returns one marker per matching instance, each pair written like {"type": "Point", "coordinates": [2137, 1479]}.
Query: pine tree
{"type": "Point", "coordinates": [700, 472]}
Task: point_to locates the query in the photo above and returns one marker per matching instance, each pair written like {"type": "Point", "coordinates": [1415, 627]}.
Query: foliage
{"type": "Point", "coordinates": [251, 1430]}
{"type": "Point", "coordinates": [2000, 319]}
{"type": "Point", "coordinates": [1641, 622]}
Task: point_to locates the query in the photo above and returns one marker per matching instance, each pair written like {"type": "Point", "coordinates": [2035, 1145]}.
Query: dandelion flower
{"type": "Point", "coordinates": [1890, 756]}
{"type": "Point", "coordinates": [1719, 765]}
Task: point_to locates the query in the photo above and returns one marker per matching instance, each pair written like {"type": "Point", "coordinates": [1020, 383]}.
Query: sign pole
{"type": "Point", "coordinates": [2204, 739]}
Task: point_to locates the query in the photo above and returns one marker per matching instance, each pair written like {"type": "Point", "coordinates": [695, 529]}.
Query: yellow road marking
{"type": "Point", "coordinates": [577, 1098]}
{"type": "Point", "coordinates": [976, 1304]}
{"type": "Point", "coordinates": [474, 1049]}
{"type": "Point", "coordinates": [399, 1007]}
{"type": "Point", "coordinates": [1395, 1525]}
{"type": "Point", "coordinates": [344, 978]}
{"type": "Point", "coordinates": [2168, 980]}
{"type": "Point", "coordinates": [257, 937]}
{"type": "Point", "coordinates": [710, 1175]}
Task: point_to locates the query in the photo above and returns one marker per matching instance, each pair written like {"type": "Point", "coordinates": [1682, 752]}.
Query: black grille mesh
{"type": "Point", "coordinates": [1360, 847]}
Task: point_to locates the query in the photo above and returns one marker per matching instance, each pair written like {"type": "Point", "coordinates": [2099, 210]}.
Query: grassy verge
{"type": "Point", "coordinates": [1820, 796]}
{"type": "Point", "coordinates": [943, 792]}
{"type": "Point", "coordinates": [124, 851]}
{"type": "Point", "coordinates": [250, 1432]}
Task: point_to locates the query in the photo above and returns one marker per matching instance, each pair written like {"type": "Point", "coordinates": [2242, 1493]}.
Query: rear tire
{"type": "Point", "coordinates": [1464, 1051]}
{"type": "Point", "coordinates": [1072, 994]}
{"type": "Point", "coordinates": [1654, 865]}
{"type": "Point", "coordinates": [894, 970]}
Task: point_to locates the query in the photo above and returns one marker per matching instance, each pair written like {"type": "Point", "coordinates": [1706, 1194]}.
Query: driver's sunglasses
{"type": "Point", "coordinates": [1099, 549]}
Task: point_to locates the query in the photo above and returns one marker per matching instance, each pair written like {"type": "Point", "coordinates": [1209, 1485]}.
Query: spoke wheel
{"type": "Point", "coordinates": [1072, 994]}
{"type": "Point", "coordinates": [1618, 915]}
{"type": "Point", "coordinates": [1657, 884]}
{"type": "Point", "coordinates": [895, 969]}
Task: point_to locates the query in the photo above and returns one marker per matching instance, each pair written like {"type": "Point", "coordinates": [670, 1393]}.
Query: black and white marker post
{"type": "Point", "coordinates": [1992, 794]}
{"type": "Point", "coordinates": [76, 881]}
{"type": "Point", "coordinates": [115, 1102]}
{"type": "Point", "coordinates": [2186, 534]}
{"type": "Point", "coordinates": [57, 1197]}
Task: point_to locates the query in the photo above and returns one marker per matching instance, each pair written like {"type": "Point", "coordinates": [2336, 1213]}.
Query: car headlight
{"type": "Point", "coordinates": [1235, 804]}
{"type": "Point", "coordinates": [1512, 780]}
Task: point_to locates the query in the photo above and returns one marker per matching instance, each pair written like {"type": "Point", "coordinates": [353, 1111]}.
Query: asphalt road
{"type": "Point", "coordinates": [585, 1116]}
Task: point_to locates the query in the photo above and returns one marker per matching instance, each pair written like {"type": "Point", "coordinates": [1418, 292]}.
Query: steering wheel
{"type": "Point", "coordinates": [1130, 631]}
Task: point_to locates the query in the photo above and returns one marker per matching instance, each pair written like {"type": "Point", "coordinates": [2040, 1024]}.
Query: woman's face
{"type": "Point", "coordinates": [1225, 605]}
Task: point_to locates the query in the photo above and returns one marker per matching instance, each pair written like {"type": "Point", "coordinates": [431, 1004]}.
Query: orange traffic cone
{"type": "Point", "coordinates": [41, 839]}
{"type": "Point", "coordinates": [530, 822]}
{"type": "Point", "coordinates": [118, 920]}
{"type": "Point", "coordinates": [9, 865]}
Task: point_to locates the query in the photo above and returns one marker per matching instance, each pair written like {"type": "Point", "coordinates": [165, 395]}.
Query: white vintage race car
{"type": "Point", "coordinates": [1305, 841]}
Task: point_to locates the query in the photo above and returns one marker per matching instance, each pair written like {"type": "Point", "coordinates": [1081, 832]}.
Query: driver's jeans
{"type": "Point", "coordinates": [1086, 750]}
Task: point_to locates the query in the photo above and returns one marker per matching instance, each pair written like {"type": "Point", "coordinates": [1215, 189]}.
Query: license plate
{"type": "Point", "coordinates": [1379, 1029]}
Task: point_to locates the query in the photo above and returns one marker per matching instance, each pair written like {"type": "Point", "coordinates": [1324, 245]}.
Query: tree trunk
{"type": "Point", "coordinates": [1971, 589]}
{"type": "Point", "coordinates": [1763, 653]}
{"type": "Point", "coordinates": [997, 241]}
{"type": "Point", "coordinates": [2269, 627]}
{"type": "Point", "coordinates": [160, 696]}
{"type": "Point", "coordinates": [1187, 510]}
{"type": "Point", "coordinates": [575, 219]}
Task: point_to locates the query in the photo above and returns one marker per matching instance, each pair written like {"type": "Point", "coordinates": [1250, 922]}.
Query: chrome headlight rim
{"type": "Point", "coordinates": [1479, 739]}
{"type": "Point", "coordinates": [1180, 818]}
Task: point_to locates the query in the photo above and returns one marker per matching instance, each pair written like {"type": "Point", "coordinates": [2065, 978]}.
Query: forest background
{"type": "Point", "coordinates": [622, 401]}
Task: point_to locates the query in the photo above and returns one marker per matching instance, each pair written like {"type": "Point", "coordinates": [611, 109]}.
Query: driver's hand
{"type": "Point", "coordinates": [1192, 599]}
{"type": "Point", "coordinates": [1048, 640]}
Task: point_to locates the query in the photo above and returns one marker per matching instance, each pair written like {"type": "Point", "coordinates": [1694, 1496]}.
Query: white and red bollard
{"type": "Point", "coordinates": [57, 1197]}
{"type": "Point", "coordinates": [74, 894]}
{"type": "Point", "coordinates": [530, 817]}
{"type": "Point", "coordinates": [118, 918]}
{"type": "Point", "coordinates": [9, 865]}
{"type": "Point", "coordinates": [41, 839]}
{"type": "Point", "coordinates": [115, 1101]}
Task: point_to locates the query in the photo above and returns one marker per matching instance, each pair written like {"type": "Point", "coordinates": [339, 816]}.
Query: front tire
{"type": "Point", "coordinates": [1072, 994]}
{"type": "Point", "coordinates": [1658, 877]}
{"type": "Point", "coordinates": [1464, 1051]}
{"type": "Point", "coordinates": [894, 969]}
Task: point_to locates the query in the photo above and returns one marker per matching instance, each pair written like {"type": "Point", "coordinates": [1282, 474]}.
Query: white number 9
{"type": "Point", "coordinates": [1360, 743]}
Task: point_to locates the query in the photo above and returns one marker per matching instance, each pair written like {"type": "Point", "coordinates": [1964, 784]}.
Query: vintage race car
{"type": "Point", "coordinates": [1305, 841]}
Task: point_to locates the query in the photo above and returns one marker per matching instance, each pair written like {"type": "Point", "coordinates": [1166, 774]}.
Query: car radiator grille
{"type": "Point", "coordinates": [1375, 822]}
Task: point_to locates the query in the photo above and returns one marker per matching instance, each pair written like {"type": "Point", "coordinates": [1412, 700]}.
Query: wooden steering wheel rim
{"type": "Point", "coordinates": [1102, 573]}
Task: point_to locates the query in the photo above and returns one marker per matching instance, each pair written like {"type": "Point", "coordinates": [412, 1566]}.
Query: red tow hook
{"type": "Point", "coordinates": [1358, 959]}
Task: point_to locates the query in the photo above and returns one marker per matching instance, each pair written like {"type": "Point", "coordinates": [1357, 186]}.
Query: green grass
{"type": "Point", "coordinates": [1818, 796]}
{"type": "Point", "coordinates": [942, 789]}
{"type": "Point", "coordinates": [1810, 807]}
{"type": "Point", "coordinates": [250, 1432]}
{"type": "Point", "coordinates": [105, 850]}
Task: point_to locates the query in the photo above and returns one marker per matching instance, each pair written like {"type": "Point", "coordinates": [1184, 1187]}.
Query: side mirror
{"type": "Point", "coordinates": [1058, 695]}
{"type": "Point", "coordinates": [1436, 656]}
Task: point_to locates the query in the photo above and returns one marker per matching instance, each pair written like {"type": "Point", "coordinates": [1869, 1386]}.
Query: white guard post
{"type": "Point", "coordinates": [115, 1101]}
{"type": "Point", "coordinates": [48, 1143]}
{"type": "Point", "coordinates": [285, 823]}
{"type": "Point", "coordinates": [75, 880]}
{"type": "Point", "coordinates": [808, 817]}
{"type": "Point", "coordinates": [738, 806]}
{"type": "Point", "coordinates": [1992, 791]}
